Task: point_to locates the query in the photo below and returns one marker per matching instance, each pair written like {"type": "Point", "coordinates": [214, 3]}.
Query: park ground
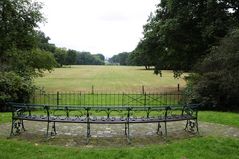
{"type": "Point", "coordinates": [218, 138]}
{"type": "Point", "coordinates": [108, 79]}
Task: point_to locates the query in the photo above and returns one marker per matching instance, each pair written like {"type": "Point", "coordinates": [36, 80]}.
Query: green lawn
{"type": "Point", "coordinates": [225, 118]}
{"type": "Point", "coordinates": [107, 79]}
{"type": "Point", "coordinates": [204, 147]}
{"type": "Point", "coordinates": [5, 117]}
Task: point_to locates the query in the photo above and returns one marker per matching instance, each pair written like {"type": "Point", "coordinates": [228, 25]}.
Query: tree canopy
{"type": "Point", "coordinates": [121, 58]}
{"type": "Point", "coordinates": [181, 32]}
{"type": "Point", "coordinates": [199, 36]}
{"type": "Point", "coordinates": [21, 56]}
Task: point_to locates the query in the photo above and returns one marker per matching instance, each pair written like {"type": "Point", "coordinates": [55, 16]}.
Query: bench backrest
{"type": "Point", "coordinates": [106, 111]}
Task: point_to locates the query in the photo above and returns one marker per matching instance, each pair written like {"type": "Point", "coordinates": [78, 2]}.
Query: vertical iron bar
{"type": "Point", "coordinates": [92, 89]}
{"type": "Point", "coordinates": [145, 99]}
{"type": "Point", "coordinates": [143, 89]}
{"type": "Point", "coordinates": [57, 99]}
{"type": "Point", "coordinates": [123, 99]}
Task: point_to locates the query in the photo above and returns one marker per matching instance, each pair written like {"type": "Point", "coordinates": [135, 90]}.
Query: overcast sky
{"type": "Point", "coordinates": [97, 26]}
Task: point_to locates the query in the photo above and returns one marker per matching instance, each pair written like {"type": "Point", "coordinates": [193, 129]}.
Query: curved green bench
{"type": "Point", "coordinates": [88, 115]}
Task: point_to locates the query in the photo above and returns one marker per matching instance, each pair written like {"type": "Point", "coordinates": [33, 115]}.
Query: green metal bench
{"type": "Point", "coordinates": [103, 115]}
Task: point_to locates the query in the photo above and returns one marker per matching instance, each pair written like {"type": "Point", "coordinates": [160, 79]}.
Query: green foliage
{"type": "Point", "coordinates": [23, 51]}
{"type": "Point", "coordinates": [86, 58]}
{"type": "Point", "coordinates": [217, 76]}
{"type": "Point", "coordinates": [121, 58]}
{"type": "Point", "coordinates": [71, 57]}
{"type": "Point", "coordinates": [100, 56]}
{"type": "Point", "coordinates": [60, 56]}
{"type": "Point", "coordinates": [18, 18]}
{"type": "Point", "coordinates": [14, 87]}
{"type": "Point", "coordinates": [182, 31]}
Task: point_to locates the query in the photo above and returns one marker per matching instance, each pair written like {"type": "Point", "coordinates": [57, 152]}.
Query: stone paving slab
{"type": "Point", "coordinates": [74, 134]}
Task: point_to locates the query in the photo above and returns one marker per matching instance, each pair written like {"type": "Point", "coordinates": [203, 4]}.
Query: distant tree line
{"type": "Point", "coordinates": [130, 59]}
{"type": "Point", "coordinates": [121, 59]}
{"type": "Point", "coordinates": [65, 56]}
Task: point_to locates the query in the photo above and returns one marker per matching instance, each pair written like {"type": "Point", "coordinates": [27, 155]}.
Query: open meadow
{"type": "Point", "coordinates": [107, 79]}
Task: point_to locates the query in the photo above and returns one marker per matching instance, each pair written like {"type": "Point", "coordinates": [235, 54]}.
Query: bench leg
{"type": "Point", "coordinates": [125, 129]}
{"type": "Point", "coordinates": [53, 132]}
{"type": "Point", "coordinates": [166, 131]}
{"type": "Point", "coordinates": [192, 126]}
{"type": "Point", "coordinates": [47, 129]}
{"type": "Point", "coordinates": [17, 125]}
{"type": "Point", "coordinates": [158, 129]}
{"type": "Point", "coordinates": [197, 126]}
{"type": "Point", "coordinates": [128, 138]}
{"type": "Point", "coordinates": [126, 132]}
{"type": "Point", "coordinates": [186, 126]}
{"type": "Point", "coordinates": [11, 133]}
{"type": "Point", "coordinates": [23, 127]}
{"type": "Point", "coordinates": [14, 124]}
{"type": "Point", "coordinates": [88, 132]}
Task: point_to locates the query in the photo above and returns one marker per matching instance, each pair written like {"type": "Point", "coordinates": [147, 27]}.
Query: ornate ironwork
{"type": "Point", "coordinates": [126, 115]}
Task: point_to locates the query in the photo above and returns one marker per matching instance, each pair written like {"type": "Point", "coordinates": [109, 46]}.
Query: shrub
{"type": "Point", "coordinates": [14, 88]}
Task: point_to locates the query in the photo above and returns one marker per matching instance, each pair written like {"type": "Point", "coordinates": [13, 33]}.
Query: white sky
{"type": "Point", "coordinates": [98, 26]}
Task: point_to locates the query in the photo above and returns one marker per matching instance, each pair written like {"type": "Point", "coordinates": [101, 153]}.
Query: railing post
{"type": "Point", "coordinates": [34, 98]}
{"type": "Point", "coordinates": [80, 99]}
{"type": "Point", "coordinates": [57, 99]}
{"type": "Point", "coordinates": [178, 93]}
{"type": "Point", "coordinates": [143, 89]}
{"type": "Point", "coordinates": [145, 99]}
{"type": "Point", "coordinates": [123, 99]}
{"type": "Point", "coordinates": [92, 89]}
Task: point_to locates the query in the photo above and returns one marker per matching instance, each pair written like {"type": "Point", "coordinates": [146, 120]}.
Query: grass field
{"type": "Point", "coordinates": [107, 79]}
{"type": "Point", "coordinates": [225, 118]}
{"type": "Point", "coordinates": [204, 147]}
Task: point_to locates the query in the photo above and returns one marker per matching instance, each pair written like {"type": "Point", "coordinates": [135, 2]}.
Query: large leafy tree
{"type": "Point", "coordinates": [21, 57]}
{"type": "Point", "coordinates": [183, 31]}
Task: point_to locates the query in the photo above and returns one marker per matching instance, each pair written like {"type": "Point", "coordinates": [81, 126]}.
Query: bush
{"type": "Point", "coordinates": [216, 81]}
{"type": "Point", "coordinates": [14, 88]}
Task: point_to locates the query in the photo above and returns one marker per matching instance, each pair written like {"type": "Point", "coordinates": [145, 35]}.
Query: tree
{"type": "Point", "coordinates": [182, 31]}
{"type": "Point", "coordinates": [216, 78]}
{"type": "Point", "coordinates": [21, 57]}
{"type": "Point", "coordinates": [71, 57]}
{"type": "Point", "coordinates": [121, 58]}
{"type": "Point", "coordinates": [60, 56]}
{"type": "Point", "coordinates": [142, 56]}
{"type": "Point", "coordinates": [86, 58]}
{"type": "Point", "coordinates": [100, 56]}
